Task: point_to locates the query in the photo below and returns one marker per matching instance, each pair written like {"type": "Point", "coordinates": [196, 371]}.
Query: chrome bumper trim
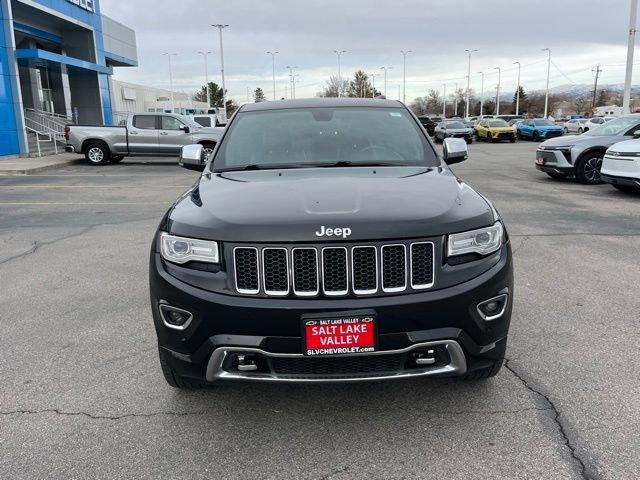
{"type": "Point", "coordinates": [457, 366]}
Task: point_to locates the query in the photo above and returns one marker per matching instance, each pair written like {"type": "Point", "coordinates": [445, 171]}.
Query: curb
{"type": "Point", "coordinates": [31, 170]}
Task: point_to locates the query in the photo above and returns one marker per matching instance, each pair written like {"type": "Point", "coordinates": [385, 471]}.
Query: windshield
{"type": "Point", "coordinates": [310, 137]}
{"type": "Point", "coordinates": [498, 123]}
{"type": "Point", "coordinates": [614, 127]}
{"type": "Point", "coordinates": [453, 125]}
{"type": "Point", "coordinates": [543, 123]}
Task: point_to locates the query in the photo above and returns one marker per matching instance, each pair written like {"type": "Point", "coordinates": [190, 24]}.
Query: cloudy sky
{"type": "Point", "coordinates": [580, 33]}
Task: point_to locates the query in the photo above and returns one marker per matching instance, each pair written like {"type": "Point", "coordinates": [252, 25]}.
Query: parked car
{"type": "Point", "coordinates": [494, 129]}
{"type": "Point", "coordinates": [538, 129]}
{"type": "Point", "coordinates": [509, 118]}
{"type": "Point", "coordinates": [621, 166]}
{"type": "Point", "coordinates": [273, 269]}
{"type": "Point", "coordinates": [591, 123]}
{"type": "Point", "coordinates": [144, 134]}
{"type": "Point", "coordinates": [575, 125]}
{"type": "Point", "coordinates": [429, 123]}
{"type": "Point", "coordinates": [581, 156]}
{"type": "Point", "coordinates": [453, 128]}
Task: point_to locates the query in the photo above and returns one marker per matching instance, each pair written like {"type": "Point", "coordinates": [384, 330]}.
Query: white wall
{"type": "Point", "coordinates": [132, 98]}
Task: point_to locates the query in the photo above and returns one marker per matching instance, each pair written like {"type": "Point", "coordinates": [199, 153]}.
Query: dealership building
{"type": "Point", "coordinates": [56, 60]}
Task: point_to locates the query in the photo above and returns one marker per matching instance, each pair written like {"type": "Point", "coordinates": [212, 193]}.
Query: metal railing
{"type": "Point", "coordinates": [47, 127]}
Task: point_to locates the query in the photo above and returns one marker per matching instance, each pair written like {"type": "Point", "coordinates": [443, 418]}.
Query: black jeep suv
{"type": "Point", "coordinates": [326, 240]}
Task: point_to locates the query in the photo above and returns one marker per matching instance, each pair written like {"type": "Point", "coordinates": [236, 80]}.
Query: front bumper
{"type": "Point", "coordinates": [554, 161]}
{"type": "Point", "coordinates": [624, 181]}
{"type": "Point", "coordinates": [269, 330]}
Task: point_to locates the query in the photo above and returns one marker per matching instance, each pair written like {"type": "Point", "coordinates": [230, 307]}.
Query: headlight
{"type": "Point", "coordinates": [483, 241]}
{"type": "Point", "coordinates": [183, 250]}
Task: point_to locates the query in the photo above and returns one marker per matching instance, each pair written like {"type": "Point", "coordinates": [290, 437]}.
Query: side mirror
{"type": "Point", "coordinates": [192, 157]}
{"type": "Point", "coordinates": [454, 150]}
{"type": "Point", "coordinates": [636, 134]}
{"type": "Point", "coordinates": [185, 129]}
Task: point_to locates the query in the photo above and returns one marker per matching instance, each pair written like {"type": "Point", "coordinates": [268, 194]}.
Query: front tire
{"type": "Point", "coordinates": [556, 175]}
{"type": "Point", "coordinates": [97, 154]}
{"type": "Point", "coordinates": [580, 131]}
{"type": "Point", "coordinates": [172, 378]}
{"type": "Point", "coordinates": [627, 188]}
{"type": "Point", "coordinates": [536, 137]}
{"type": "Point", "coordinates": [588, 169]}
{"type": "Point", "coordinates": [485, 372]}
{"type": "Point", "coordinates": [565, 130]}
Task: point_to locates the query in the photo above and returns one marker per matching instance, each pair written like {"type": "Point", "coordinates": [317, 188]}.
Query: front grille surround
{"type": "Point", "coordinates": [335, 270]}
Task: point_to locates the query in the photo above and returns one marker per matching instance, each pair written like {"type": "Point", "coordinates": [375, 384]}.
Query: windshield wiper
{"type": "Point", "coordinates": [348, 163]}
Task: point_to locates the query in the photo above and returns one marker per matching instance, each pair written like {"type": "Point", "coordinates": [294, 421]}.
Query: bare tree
{"type": "Point", "coordinates": [333, 86]}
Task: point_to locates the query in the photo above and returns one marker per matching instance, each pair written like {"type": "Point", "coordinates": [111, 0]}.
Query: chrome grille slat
{"type": "Point", "coordinates": [246, 270]}
{"type": "Point", "coordinates": [364, 270]}
{"type": "Point", "coordinates": [422, 257]}
{"type": "Point", "coordinates": [334, 270]}
{"type": "Point", "coordinates": [275, 271]}
{"type": "Point", "coordinates": [394, 268]}
{"type": "Point", "coordinates": [305, 272]}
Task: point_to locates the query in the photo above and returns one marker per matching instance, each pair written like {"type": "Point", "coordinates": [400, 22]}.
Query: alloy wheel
{"type": "Point", "coordinates": [96, 155]}
{"type": "Point", "coordinates": [592, 169]}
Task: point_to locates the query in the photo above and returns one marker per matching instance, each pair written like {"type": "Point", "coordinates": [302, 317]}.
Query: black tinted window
{"type": "Point", "coordinates": [312, 136]}
{"type": "Point", "coordinates": [146, 122]}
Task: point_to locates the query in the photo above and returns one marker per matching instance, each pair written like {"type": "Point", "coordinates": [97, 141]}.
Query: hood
{"type": "Point", "coordinates": [459, 130]}
{"type": "Point", "coordinates": [547, 128]}
{"type": "Point", "coordinates": [210, 131]}
{"type": "Point", "coordinates": [502, 129]}
{"type": "Point", "coordinates": [628, 146]}
{"type": "Point", "coordinates": [581, 141]}
{"type": "Point", "coordinates": [291, 205]}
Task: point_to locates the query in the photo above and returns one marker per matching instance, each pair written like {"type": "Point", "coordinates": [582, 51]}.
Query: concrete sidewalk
{"type": "Point", "coordinates": [28, 166]}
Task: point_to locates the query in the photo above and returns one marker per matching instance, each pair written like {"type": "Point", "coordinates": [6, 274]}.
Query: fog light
{"type": "Point", "coordinates": [175, 318]}
{"type": "Point", "coordinates": [494, 307]}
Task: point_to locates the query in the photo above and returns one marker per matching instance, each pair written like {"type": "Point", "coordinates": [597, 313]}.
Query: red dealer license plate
{"type": "Point", "coordinates": [540, 161]}
{"type": "Point", "coordinates": [339, 336]}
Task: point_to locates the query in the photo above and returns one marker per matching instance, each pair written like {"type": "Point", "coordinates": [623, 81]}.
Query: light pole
{"type": "Point", "coordinates": [385, 79]}
{"type": "Point", "coordinates": [626, 98]}
{"type": "Point", "coordinates": [469, 52]}
{"type": "Point", "coordinates": [498, 92]}
{"type": "Point", "coordinates": [404, 74]}
{"type": "Point", "coordinates": [546, 96]}
{"type": "Point", "coordinates": [518, 89]}
{"type": "Point", "coordinates": [273, 71]}
{"type": "Point", "coordinates": [206, 76]}
{"type": "Point", "coordinates": [169, 55]}
{"type": "Point", "coordinates": [444, 101]}
{"type": "Point", "coordinates": [481, 92]}
{"type": "Point", "coordinates": [292, 88]}
{"type": "Point", "coordinates": [220, 27]}
{"type": "Point", "coordinates": [373, 84]}
{"type": "Point", "coordinates": [296, 79]}
{"type": "Point", "coordinates": [455, 99]}
{"type": "Point", "coordinates": [339, 54]}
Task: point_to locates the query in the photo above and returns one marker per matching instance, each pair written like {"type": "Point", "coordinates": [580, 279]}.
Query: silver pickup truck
{"type": "Point", "coordinates": [144, 134]}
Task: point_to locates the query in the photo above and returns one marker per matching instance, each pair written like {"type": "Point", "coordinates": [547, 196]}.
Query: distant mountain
{"type": "Point", "coordinates": [577, 90]}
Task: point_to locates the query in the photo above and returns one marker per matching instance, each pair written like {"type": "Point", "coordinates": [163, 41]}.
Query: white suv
{"type": "Point", "coordinates": [621, 166]}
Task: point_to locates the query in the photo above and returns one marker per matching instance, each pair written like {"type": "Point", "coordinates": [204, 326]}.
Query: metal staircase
{"type": "Point", "coordinates": [45, 132]}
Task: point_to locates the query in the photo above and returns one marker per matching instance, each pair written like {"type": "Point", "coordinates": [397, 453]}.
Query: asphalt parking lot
{"type": "Point", "coordinates": [82, 394]}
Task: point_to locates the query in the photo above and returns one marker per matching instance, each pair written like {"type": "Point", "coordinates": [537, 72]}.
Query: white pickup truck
{"type": "Point", "coordinates": [144, 134]}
